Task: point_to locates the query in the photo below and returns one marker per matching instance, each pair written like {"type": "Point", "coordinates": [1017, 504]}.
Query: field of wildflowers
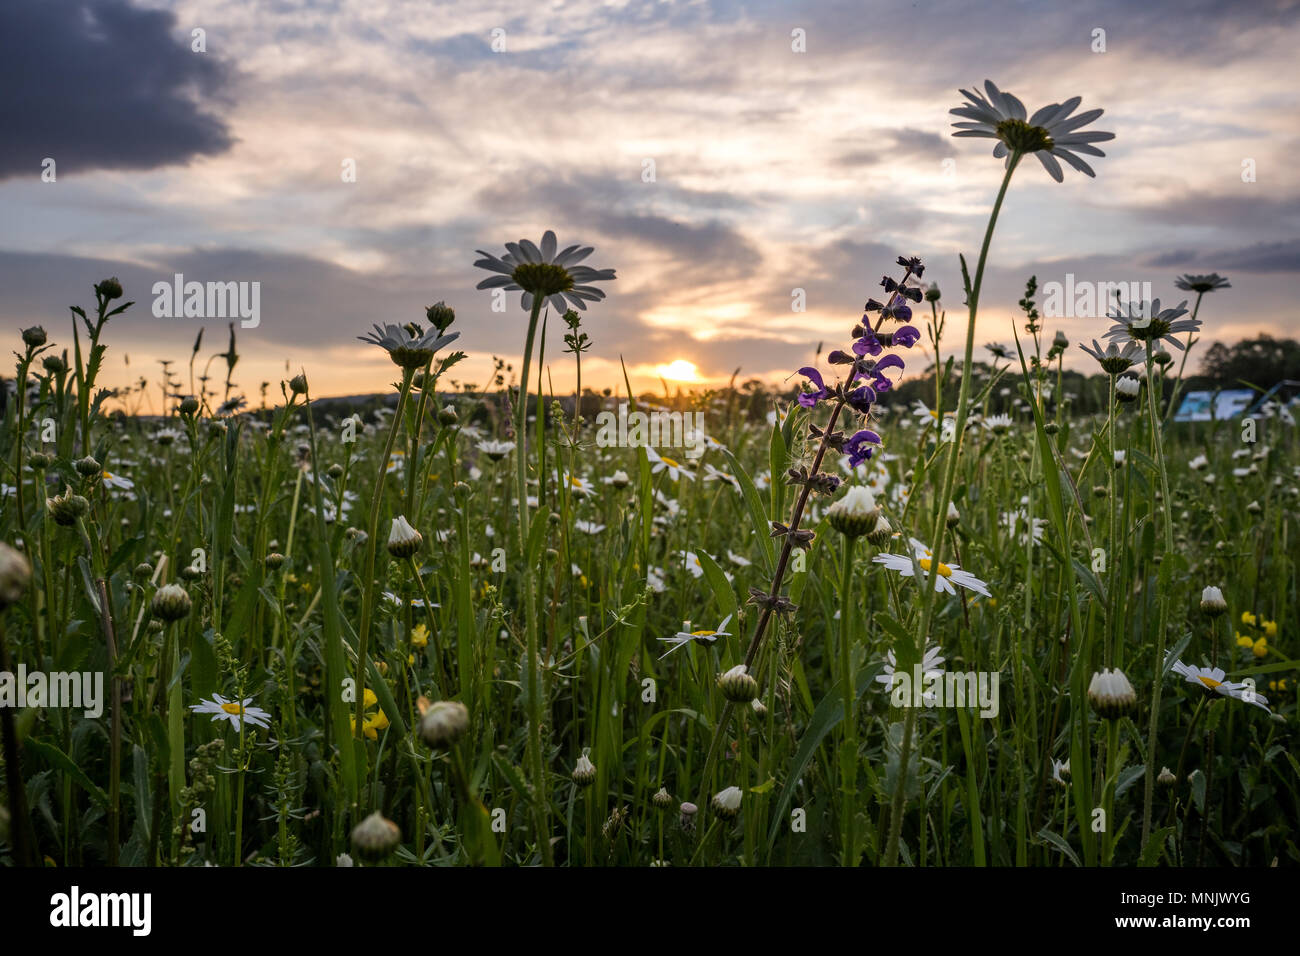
{"type": "Point", "coordinates": [469, 629]}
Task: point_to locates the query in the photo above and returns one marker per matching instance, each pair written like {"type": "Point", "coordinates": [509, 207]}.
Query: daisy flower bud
{"type": "Point", "coordinates": [881, 532]}
{"type": "Point", "coordinates": [188, 405]}
{"type": "Point", "coordinates": [403, 540]}
{"type": "Point", "coordinates": [1166, 777]}
{"type": "Point", "coordinates": [274, 560]}
{"type": "Point", "coordinates": [855, 514]}
{"type": "Point", "coordinates": [1111, 694]}
{"type": "Point", "coordinates": [88, 467]}
{"type": "Point", "coordinates": [726, 803]}
{"type": "Point", "coordinates": [171, 602]}
{"type": "Point", "coordinates": [584, 772]}
{"type": "Point", "coordinates": [34, 337]}
{"type": "Point", "coordinates": [737, 686]}
{"type": "Point", "coordinates": [15, 573]}
{"type": "Point", "coordinates": [375, 837]}
{"type": "Point", "coordinates": [443, 724]}
{"type": "Point", "coordinates": [662, 799]}
{"type": "Point", "coordinates": [686, 817]}
{"type": "Point", "coordinates": [1212, 602]}
{"type": "Point", "coordinates": [298, 384]}
{"type": "Point", "coordinates": [1127, 388]}
{"type": "Point", "coordinates": [954, 516]}
{"type": "Point", "coordinates": [448, 416]}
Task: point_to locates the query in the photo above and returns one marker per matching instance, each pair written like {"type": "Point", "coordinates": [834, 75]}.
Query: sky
{"type": "Point", "coordinates": [718, 155]}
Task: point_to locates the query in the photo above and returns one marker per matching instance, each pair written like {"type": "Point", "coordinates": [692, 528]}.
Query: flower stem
{"type": "Point", "coordinates": [940, 513]}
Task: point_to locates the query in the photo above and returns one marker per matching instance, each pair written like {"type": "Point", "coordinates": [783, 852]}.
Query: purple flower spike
{"type": "Point", "coordinates": [861, 399]}
{"type": "Point", "coordinates": [906, 337]}
{"type": "Point", "coordinates": [809, 399]}
{"type": "Point", "coordinates": [867, 344]}
{"type": "Point", "coordinates": [859, 448]}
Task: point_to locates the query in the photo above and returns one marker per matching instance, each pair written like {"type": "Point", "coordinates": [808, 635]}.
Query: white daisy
{"type": "Point", "coordinates": [233, 711]}
{"type": "Point", "coordinates": [947, 576]}
{"type": "Point", "coordinates": [1212, 679]}
{"type": "Point", "coordinates": [931, 664]}
{"type": "Point", "coordinates": [111, 480]}
{"type": "Point", "coordinates": [682, 638]}
{"type": "Point", "coordinates": [691, 562]}
{"type": "Point", "coordinates": [738, 559]}
{"type": "Point", "coordinates": [659, 463]}
{"type": "Point", "coordinates": [1049, 134]}
{"type": "Point", "coordinates": [588, 527]}
{"type": "Point", "coordinates": [715, 474]}
{"type": "Point", "coordinates": [496, 450]}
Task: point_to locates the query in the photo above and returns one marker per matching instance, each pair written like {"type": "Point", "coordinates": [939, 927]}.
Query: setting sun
{"type": "Point", "coordinates": [679, 370]}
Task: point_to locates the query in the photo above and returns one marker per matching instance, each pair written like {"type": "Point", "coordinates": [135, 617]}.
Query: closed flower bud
{"type": "Point", "coordinates": [584, 772]}
{"type": "Point", "coordinates": [54, 364]}
{"type": "Point", "coordinates": [932, 293]}
{"type": "Point", "coordinates": [143, 571]}
{"type": "Point", "coordinates": [88, 467]}
{"type": "Point", "coordinates": [1051, 428]}
{"type": "Point", "coordinates": [39, 460]}
{"type": "Point", "coordinates": [620, 479]}
{"type": "Point", "coordinates": [171, 602]}
{"type": "Point", "coordinates": [726, 803]}
{"type": "Point", "coordinates": [686, 817]}
{"type": "Point", "coordinates": [448, 416]}
{"type": "Point", "coordinates": [189, 405]}
{"type": "Point", "coordinates": [881, 532]}
{"type": "Point", "coordinates": [298, 384]}
{"type": "Point", "coordinates": [440, 316]}
{"type": "Point", "coordinates": [954, 516]}
{"type": "Point", "coordinates": [737, 685]}
{"type": "Point", "coordinates": [403, 540]}
{"type": "Point", "coordinates": [335, 471]}
{"type": "Point", "coordinates": [15, 573]}
{"type": "Point", "coordinates": [1212, 602]}
{"type": "Point", "coordinates": [190, 573]}
{"type": "Point", "coordinates": [662, 799]}
{"type": "Point", "coordinates": [1127, 388]}
{"type": "Point", "coordinates": [110, 289]}
{"type": "Point", "coordinates": [274, 560]}
{"type": "Point", "coordinates": [1059, 341]}
{"type": "Point", "coordinates": [855, 514]}
{"type": "Point", "coordinates": [1161, 357]}
{"type": "Point", "coordinates": [375, 837]}
{"type": "Point", "coordinates": [444, 723]}
{"type": "Point", "coordinates": [67, 507]}
{"type": "Point", "coordinates": [34, 337]}
{"type": "Point", "coordinates": [1166, 777]}
{"type": "Point", "coordinates": [760, 708]}
{"type": "Point", "coordinates": [1111, 694]}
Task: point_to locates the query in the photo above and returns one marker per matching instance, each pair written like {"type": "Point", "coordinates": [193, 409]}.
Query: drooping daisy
{"type": "Point", "coordinates": [1201, 284]}
{"type": "Point", "coordinates": [947, 576]}
{"type": "Point", "coordinates": [691, 562]}
{"type": "Point", "coordinates": [1017, 524]}
{"type": "Point", "coordinates": [578, 486]}
{"type": "Point", "coordinates": [682, 638]}
{"type": "Point", "coordinates": [496, 450]}
{"type": "Point", "coordinates": [659, 463]}
{"type": "Point", "coordinates": [407, 350]}
{"type": "Point", "coordinates": [1049, 134]}
{"type": "Point", "coordinates": [542, 270]}
{"type": "Point", "coordinates": [1212, 680]}
{"type": "Point", "coordinates": [931, 666]}
{"type": "Point", "coordinates": [1060, 772]}
{"type": "Point", "coordinates": [1147, 322]}
{"type": "Point", "coordinates": [111, 480]}
{"type": "Point", "coordinates": [716, 474]}
{"type": "Point", "coordinates": [738, 559]}
{"type": "Point", "coordinates": [1113, 359]}
{"type": "Point", "coordinates": [234, 711]}
{"type": "Point", "coordinates": [588, 527]}
{"type": "Point", "coordinates": [999, 423]}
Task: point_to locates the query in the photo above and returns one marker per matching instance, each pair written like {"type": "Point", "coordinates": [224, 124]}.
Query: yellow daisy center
{"type": "Point", "coordinates": [1209, 682]}
{"type": "Point", "coordinates": [926, 564]}
{"type": "Point", "coordinates": [233, 708]}
{"type": "Point", "coordinates": [669, 462]}
{"type": "Point", "coordinates": [703, 633]}
{"type": "Point", "coordinates": [108, 476]}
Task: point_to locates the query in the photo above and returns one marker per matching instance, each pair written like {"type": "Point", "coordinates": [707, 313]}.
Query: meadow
{"type": "Point", "coordinates": [1005, 623]}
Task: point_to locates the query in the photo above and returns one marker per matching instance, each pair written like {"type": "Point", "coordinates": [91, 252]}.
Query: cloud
{"type": "Point", "coordinates": [102, 85]}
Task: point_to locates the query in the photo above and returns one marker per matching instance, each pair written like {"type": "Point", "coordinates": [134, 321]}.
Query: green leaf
{"type": "Point", "coordinates": [722, 589]}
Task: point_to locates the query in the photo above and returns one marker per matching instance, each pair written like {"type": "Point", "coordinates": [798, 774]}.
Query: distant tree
{"type": "Point", "coordinates": [1262, 361]}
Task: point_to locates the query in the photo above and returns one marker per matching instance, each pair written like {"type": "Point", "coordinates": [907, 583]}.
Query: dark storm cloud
{"type": "Point", "coordinates": [1259, 257]}
{"type": "Point", "coordinates": [102, 85]}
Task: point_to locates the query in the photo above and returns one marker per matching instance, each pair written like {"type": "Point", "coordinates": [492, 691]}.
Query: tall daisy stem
{"type": "Point", "coordinates": [940, 513]}
{"type": "Point", "coordinates": [541, 799]}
